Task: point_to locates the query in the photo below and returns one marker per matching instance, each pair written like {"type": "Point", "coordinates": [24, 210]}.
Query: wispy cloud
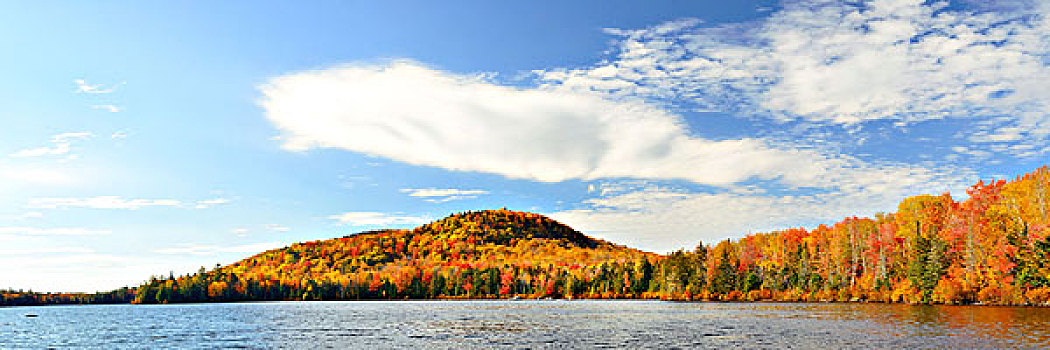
{"type": "Point", "coordinates": [207, 249]}
{"type": "Point", "coordinates": [118, 202]}
{"type": "Point", "coordinates": [51, 231]}
{"type": "Point", "coordinates": [438, 195]}
{"type": "Point", "coordinates": [208, 203]}
{"type": "Point", "coordinates": [46, 250]}
{"type": "Point", "coordinates": [436, 192]}
{"type": "Point", "coordinates": [83, 87]}
{"type": "Point", "coordinates": [101, 202]}
{"type": "Point", "coordinates": [843, 63]}
{"type": "Point", "coordinates": [108, 108]}
{"type": "Point", "coordinates": [61, 145]}
{"type": "Point", "coordinates": [277, 228]}
{"type": "Point", "coordinates": [362, 218]}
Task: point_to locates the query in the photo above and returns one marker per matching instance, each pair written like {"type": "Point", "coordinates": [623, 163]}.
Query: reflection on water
{"type": "Point", "coordinates": [529, 324]}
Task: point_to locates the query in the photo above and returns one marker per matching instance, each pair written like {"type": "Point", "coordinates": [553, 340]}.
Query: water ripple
{"type": "Point", "coordinates": [524, 324]}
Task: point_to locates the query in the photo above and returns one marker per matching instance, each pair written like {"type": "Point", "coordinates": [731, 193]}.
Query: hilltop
{"type": "Point", "coordinates": [504, 227]}
{"type": "Point", "coordinates": [488, 253]}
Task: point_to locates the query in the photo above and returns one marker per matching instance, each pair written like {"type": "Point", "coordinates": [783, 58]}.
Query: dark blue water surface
{"type": "Point", "coordinates": [523, 324]}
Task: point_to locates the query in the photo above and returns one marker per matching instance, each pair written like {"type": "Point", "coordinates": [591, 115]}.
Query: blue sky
{"type": "Point", "coordinates": [141, 138]}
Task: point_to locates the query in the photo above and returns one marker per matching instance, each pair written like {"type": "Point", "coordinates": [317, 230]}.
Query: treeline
{"type": "Point", "coordinates": [992, 248]}
{"type": "Point", "coordinates": [612, 280]}
{"type": "Point", "coordinates": [30, 298]}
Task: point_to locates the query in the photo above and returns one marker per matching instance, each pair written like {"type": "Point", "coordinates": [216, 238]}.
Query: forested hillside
{"type": "Point", "coordinates": [992, 248]}
{"type": "Point", "coordinates": [483, 254]}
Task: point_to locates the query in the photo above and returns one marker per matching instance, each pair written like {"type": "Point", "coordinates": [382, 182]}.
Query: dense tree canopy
{"type": "Point", "coordinates": [483, 254]}
{"type": "Point", "coordinates": [29, 298]}
{"type": "Point", "coordinates": [993, 247]}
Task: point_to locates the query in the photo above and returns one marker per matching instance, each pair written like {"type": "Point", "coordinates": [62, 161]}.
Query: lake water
{"type": "Point", "coordinates": [524, 324]}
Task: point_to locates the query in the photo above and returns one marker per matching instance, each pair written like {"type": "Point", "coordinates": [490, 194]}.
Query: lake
{"type": "Point", "coordinates": [524, 324]}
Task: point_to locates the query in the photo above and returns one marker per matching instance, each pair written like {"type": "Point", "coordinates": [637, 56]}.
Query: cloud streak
{"type": "Point", "coordinates": [47, 250]}
{"type": "Point", "coordinates": [83, 87]}
{"type": "Point", "coordinates": [208, 203]}
{"type": "Point", "coordinates": [437, 195]}
{"type": "Point", "coordinates": [108, 108]}
{"type": "Point", "coordinates": [118, 202]}
{"type": "Point", "coordinates": [377, 219]}
{"type": "Point", "coordinates": [61, 145]}
{"type": "Point", "coordinates": [206, 249]}
{"type": "Point", "coordinates": [101, 202]}
{"type": "Point", "coordinates": [277, 228]}
{"type": "Point", "coordinates": [52, 231]}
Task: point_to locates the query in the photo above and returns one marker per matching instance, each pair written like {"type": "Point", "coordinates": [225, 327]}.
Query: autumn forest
{"type": "Point", "coordinates": [991, 248]}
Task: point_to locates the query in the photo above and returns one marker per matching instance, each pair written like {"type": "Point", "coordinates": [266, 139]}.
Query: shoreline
{"type": "Point", "coordinates": [682, 301]}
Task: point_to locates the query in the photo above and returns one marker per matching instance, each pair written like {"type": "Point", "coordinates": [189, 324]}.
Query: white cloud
{"type": "Point", "coordinates": [208, 203]}
{"type": "Point", "coordinates": [205, 249]}
{"type": "Point", "coordinates": [439, 195]}
{"type": "Point", "coordinates": [975, 153]}
{"type": "Point", "coordinates": [51, 231]}
{"type": "Point", "coordinates": [41, 151]}
{"type": "Point", "coordinates": [119, 135]}
{"type": "Point", "coordinates": [277, 228]}
{"type": "Point", "coordinates": [843, 62]}
{"type": "Point", "coordinates": [71, 136]}
{"type": "Point", "coordinates": [46, 250]}
{"type": "Point", "coordinates": [118, 202]}
{"type": "Point", "coordinates": [101, 202]}
{"type": "Point", "coordinates": [364, 218]}
{"type": "Point", "coordinates": [240, 231]}
{"type": "Point", "coordinates": [61, 145]}
{"type": "Point", "coordinates": [420, 116]}
{"type": "Point", "coordinates": [436, 192]}
{"type": "Point", "coordinates": [108, 108]}
{"type": "Point", "coordinates": [1003, 134]}
{"type": "Point", "coordinates": [83, 87]}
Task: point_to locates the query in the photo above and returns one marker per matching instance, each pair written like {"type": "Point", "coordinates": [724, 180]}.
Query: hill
{"type": "Point", "coordinates": [478, 254]}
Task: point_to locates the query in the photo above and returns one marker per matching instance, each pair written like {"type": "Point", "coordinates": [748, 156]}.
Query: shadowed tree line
{"type": "Point", "coordinates": [30, 298]}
